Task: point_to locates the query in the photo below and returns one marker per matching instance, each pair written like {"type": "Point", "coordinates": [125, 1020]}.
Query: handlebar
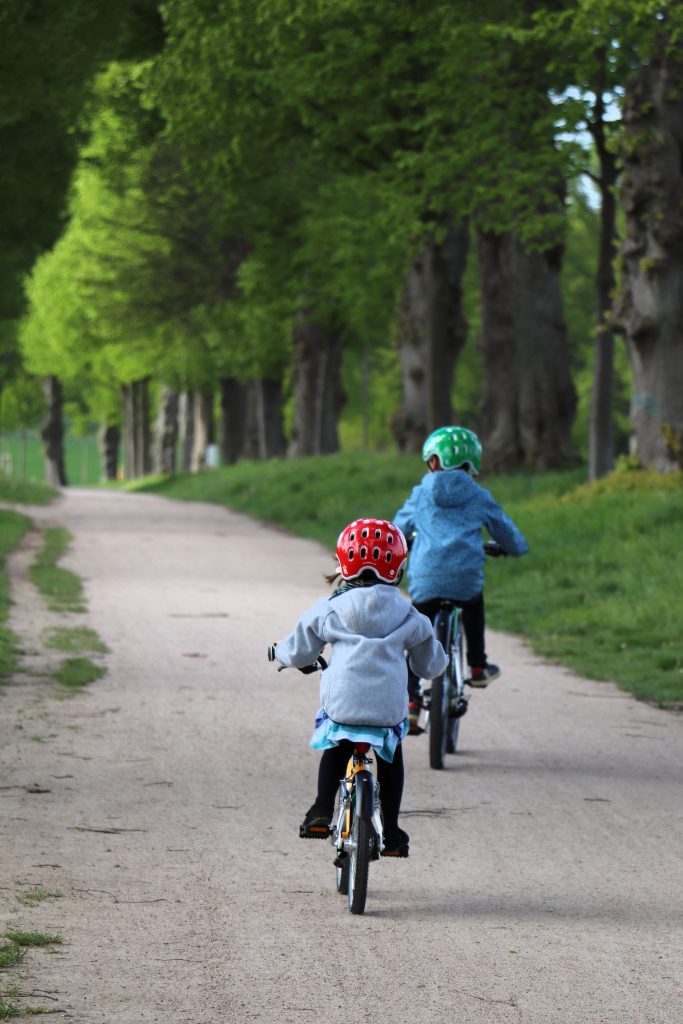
{"type": "Point", "coordinates": [319, 665]}
{"type": "Point", "coordinates": [493, 549]}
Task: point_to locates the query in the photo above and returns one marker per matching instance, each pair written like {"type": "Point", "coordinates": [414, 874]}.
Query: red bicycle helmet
{"type": "Point", "coordinates": [375, 544]}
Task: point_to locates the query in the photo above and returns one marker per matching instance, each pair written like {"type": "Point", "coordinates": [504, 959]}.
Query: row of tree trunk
{"type": "Point", "coordinates": [528, 401]}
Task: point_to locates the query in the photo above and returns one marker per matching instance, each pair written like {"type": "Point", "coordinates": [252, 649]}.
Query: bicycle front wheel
{"type": "Point", "coordinates": [439, 708]}
{"type": "Point", "coordinates": [359, 865]}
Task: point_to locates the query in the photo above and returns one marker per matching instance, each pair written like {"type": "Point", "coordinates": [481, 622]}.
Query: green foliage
{"type": "Point", "coordinates": [599, 590]}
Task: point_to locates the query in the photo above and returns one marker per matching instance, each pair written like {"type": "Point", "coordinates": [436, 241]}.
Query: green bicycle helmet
{"type": "Point", "coordinates": [454, 447]}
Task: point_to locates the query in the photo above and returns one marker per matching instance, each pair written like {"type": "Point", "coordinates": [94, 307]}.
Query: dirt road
{"type": "Point", "coordinates": [160, 808]}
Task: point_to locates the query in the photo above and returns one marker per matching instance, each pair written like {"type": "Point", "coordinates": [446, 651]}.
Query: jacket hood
{"type": "Point", "coordinates": [450, 488]}
{"type": "Point", "coordinates": [371, 611]}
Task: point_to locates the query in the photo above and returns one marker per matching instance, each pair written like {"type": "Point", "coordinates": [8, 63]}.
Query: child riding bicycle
{"type": "Point", "coordinates": [363, 692]}
{"type": "Point", "coordinates": [446, 513]}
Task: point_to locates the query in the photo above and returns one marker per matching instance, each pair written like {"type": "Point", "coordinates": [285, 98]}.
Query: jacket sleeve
{"type": "Point", "coordinates": [406, 517]}
{"type": "Point", "coordinates": [504, 531]}
{"type": "Point", "coordinates": [303, 645]}
{"type": "Point", "coordinates": [426, 656]}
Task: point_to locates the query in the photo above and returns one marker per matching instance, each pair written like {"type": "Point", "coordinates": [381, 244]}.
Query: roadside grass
{"type": "Point", "coordinates": [76, 640]}
{"type": "Point", "coordinates": [316, 497]}
{"type": "Point", "coordinates": [599, 591]}
{"type": "Point", "coordinates": [11, 952]}
{"type": "Point", "coordinates": [9, 1010]}
{"type": "Point", "coordinates": [25, 492]}
{"type": "Point", "coordinates": [62, 589]}
{"type": "Point", "coordinates": [13, 526]}
{"type": "Point", "coordinates": [32, 897]}
{"type": "Point", "coordinates": [75, 673]}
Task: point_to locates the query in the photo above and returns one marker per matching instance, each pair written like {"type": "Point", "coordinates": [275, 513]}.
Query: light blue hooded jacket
{"type": "Point", "coordinates": [370, 630]}
{"type": "Point", "coordinates": [447, 510]}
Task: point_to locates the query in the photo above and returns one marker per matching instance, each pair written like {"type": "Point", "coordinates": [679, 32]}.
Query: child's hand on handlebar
{"type": "Point", "coordinates": [494, 550]}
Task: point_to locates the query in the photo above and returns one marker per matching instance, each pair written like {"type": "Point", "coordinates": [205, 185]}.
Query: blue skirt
{"type": "Point", "coordinates": [382, 739]}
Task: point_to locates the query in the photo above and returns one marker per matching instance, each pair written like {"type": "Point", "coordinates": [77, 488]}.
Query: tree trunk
{"type": "Point", "coordinates": [137, 459]}
{"type": "Point", "coordinates": [52, 433]}
{"type": "Point", "coordinates": [431, 331]}
{"type": "Point", "coordinates": [600, 436]}
{"type": "Point", "coordinates": [265, 437]}
{"type": "Point", "coordinates": [203, 429]}
{"type": "Point", "coordinates": [529, 400]}
{"type": "Point", "coordinates": [186, 412]}
{"type": "Point", "coordinates": [316, 383]}
{"type": "Point", "coordinates": [232, 430]}
{"type": "Point", "coordinates": [650, 306]}
{"type": "Point", "coordinates": [166, 432]}
{"type": "Point", "coordinates": [109, 440]}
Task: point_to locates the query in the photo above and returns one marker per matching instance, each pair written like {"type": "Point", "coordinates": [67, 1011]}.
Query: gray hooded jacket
{"type": "Point", "coordinates": [370, 630]}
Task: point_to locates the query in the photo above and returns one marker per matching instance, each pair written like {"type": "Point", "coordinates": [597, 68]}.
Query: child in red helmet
{"type": "Point", "coordinates": [363, 691]}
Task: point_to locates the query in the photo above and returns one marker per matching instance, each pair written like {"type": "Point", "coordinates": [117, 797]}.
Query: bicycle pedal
{"type": "Point", "coordinates": [459, 709]}
{"type": "Point", "coordinates": [314, 832]}
{"type": "Point", "coordinates": [401, 852]}
{"type": "Point", "coordinates": [341, 859]}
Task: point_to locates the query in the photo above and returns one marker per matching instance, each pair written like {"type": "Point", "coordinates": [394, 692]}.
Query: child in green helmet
{"type": "Point", "coordinates": [446, 513]}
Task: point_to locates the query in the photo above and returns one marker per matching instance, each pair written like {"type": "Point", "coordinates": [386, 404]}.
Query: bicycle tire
{"type": "Point", "coordinates": [359, 866]}
{"type": "Point", "coordinates": [439, 708]}
{"type": "Point", "coordinates": [343, 878]}
{"type": "Point", "coordinates": [456, 668]}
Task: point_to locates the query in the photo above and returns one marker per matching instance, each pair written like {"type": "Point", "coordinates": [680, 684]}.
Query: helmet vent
{"type": "Point", "coordinates": [350, 554]}
{"type": "Point", "coordinates": [352, 536]}
{"type": "Point", "coordinates": [378, 534]}
{"type": "Point", "coordinates": [375, 552]}
{"type": "Point", "coordinates": [363, 552]}
{"type": "Point", "coordinates": [390, 538]}
{"type": "Point", "coordinates": [365, 532]}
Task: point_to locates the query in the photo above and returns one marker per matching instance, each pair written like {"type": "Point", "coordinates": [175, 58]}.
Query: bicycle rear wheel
{"type": "Point", "coordinates": [439, 708]}
{"type": "Point", "coordinates": [359, 866]}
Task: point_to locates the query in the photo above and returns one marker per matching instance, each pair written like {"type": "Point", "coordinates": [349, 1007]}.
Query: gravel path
{"type": "Point", "coordinates": [160, 807]}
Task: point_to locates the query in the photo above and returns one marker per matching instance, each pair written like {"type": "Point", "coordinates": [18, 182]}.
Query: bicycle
{"type": "Point", "coordinates": [356, 831]}
{"type": "Point", "coordinates": [443, 699]}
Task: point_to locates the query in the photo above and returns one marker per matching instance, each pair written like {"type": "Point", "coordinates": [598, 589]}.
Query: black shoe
{"type": "Point", "coordinates": [481, 677]}
{"type": "Point", "coordinates": [396, 843]}
{"type": "Point", "coordinates": [316, 824]}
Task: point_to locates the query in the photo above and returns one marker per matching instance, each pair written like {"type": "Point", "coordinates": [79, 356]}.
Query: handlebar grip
{"type": "Point", "coordinates": [493, 549]}
{"type": "Point", "coordinates": [318, 665]}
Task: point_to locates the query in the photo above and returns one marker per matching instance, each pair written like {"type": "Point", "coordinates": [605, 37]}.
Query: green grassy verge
{"type": "Point", "coordinates": [23, 492]}
{"type": "Point", "coordinates": [75, 673]}
{"type": "Point", "coordinates": [75, 640]}
{"type": "Point", "coordinates": [62, 589]}
{"type": "Point", "coordinates": [13, 526]}
{"type": "Point", "coordinates": [599, 591]}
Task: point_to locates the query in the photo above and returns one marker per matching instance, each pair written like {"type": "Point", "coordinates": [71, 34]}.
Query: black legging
{"type": "Point", "coordinates": [473, 624]}
{"type": "Point", "coordinates": [389, 775]}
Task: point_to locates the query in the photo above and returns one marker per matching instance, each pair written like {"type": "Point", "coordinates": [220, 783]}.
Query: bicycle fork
{"type": "Point", "coordinates": [359, 796]}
